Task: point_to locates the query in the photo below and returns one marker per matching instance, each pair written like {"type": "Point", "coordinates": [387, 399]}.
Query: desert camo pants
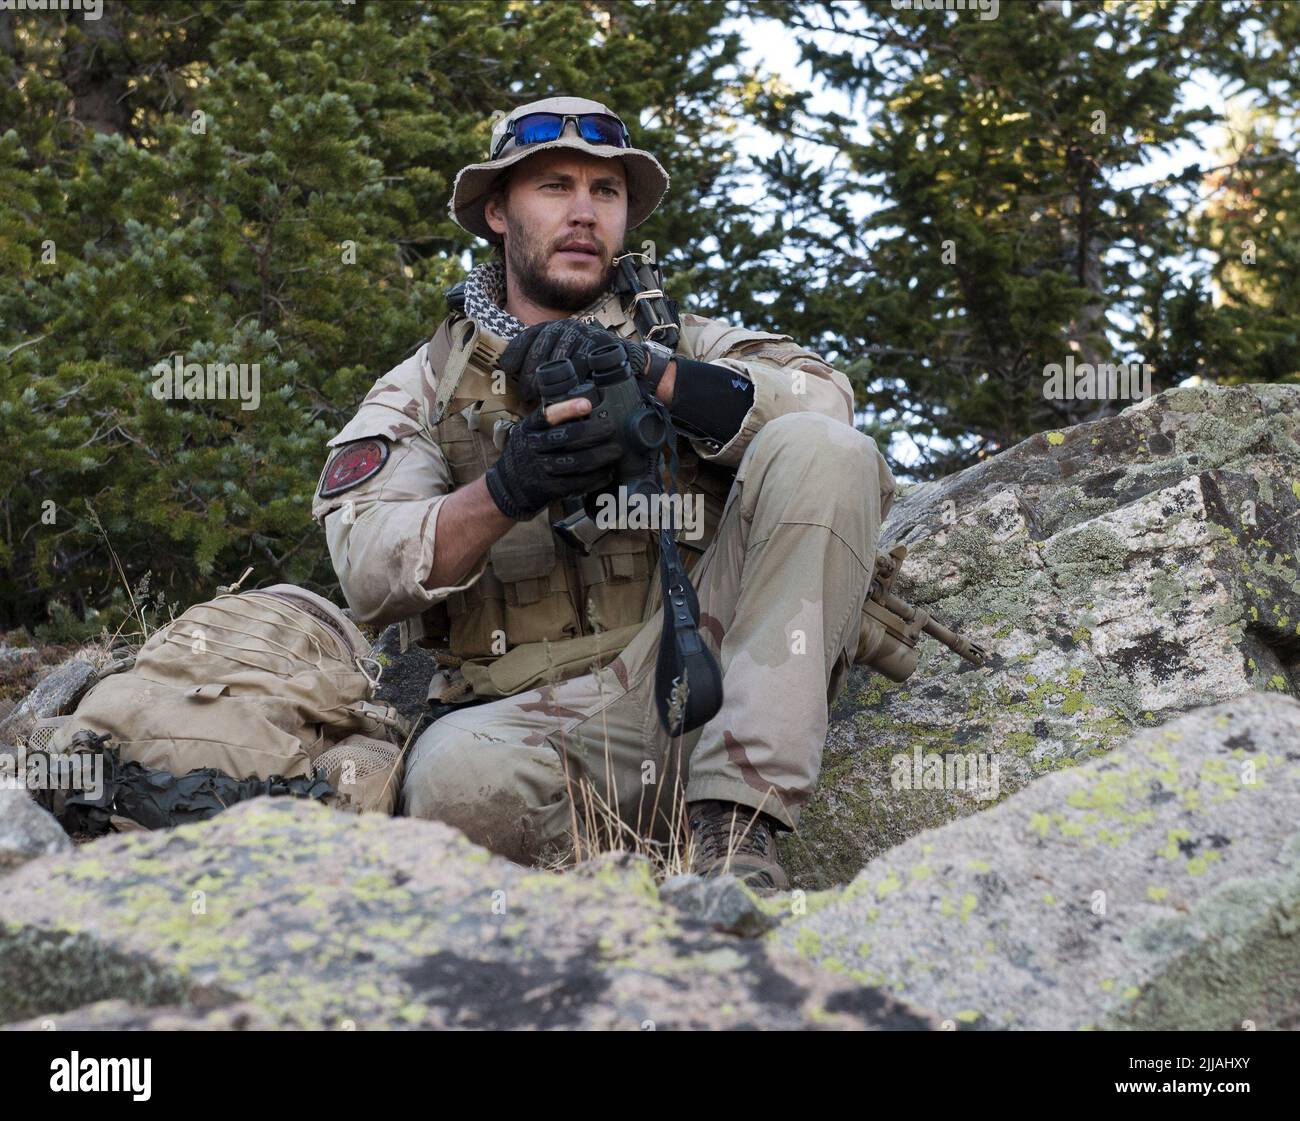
{"type": "Point", "coordinates": [781, 588]}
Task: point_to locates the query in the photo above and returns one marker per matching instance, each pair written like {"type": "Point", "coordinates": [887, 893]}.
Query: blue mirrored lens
{"type": "Point", "coordinates": [597, 129]}
{"type": "Point", "coordinates": [538, 128]}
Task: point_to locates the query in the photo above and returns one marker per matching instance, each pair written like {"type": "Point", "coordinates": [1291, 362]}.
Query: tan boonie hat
{"type": "Point", "coordinates": [646, 179]}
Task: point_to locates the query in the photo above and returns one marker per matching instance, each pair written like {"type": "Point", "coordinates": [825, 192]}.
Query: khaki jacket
{"type": "Point", "coordinates": [551, 612]}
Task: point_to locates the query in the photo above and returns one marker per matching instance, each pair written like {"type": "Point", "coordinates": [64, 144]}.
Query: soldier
{"type": "Point", "coordinates": [438, 498]}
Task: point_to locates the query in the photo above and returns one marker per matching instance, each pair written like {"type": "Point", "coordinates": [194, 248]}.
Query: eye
{"type": "Point", "coordinates": [611, 191]}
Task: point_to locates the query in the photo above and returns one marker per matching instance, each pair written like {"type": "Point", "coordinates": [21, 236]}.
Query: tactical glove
{"type": "Point", "coordinates": [541, 462]}
{"type": "Point", "coordinates": [561, 338]}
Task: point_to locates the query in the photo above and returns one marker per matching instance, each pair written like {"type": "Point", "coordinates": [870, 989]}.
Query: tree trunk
{"type": "Point", "coordinates": [95, 69]}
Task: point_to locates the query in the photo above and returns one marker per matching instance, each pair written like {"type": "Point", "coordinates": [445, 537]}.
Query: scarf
{"type": "Point", "coordinates": [485, 292]}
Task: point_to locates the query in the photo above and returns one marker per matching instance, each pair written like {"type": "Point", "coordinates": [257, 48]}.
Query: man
{"type": "Point", "coordinates": [439, 496]}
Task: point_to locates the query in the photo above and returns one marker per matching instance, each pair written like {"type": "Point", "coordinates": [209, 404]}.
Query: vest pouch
{"type": "Point", "coordinates": [487, 614]}
{"type": "Point", "coordinates": [526, 552]}
{"type": "Point", "coordinates": [466, 438]}
{"type": "Point", "coordinates": [524, 561]}
{"type": "Point", "coordinates": [477, 616]}
{"type": "Point", "coordinates": [535, 664]}
{"type": "Point", "coordinates": [617, 578]}
{"type": "Point", "coordinates": [522, 594]}
{"type": "Point", "coordinates": [541, 609]}
{"type": "Point", "coordinates": [460, 448]}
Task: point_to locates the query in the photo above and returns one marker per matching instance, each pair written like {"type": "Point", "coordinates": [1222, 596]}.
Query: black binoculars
{"type": "Point", "coordinates": [640, 429]}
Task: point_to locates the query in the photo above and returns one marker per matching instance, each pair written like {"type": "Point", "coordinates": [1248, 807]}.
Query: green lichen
{"type": "Point", "coordinates": [808, 943]}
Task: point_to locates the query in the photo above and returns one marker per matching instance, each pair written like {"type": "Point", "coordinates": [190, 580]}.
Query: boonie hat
{"type": "Point", "coordinates": [646, 179]}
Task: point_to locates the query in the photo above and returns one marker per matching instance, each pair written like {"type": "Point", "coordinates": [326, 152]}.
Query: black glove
{"type": "Point", "coordinates": [560, 338]}
{"type": "Point", "coordinates": [541, 462]}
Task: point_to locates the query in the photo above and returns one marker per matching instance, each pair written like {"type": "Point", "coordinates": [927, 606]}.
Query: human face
{"type": "Point", "coordinates": [564, 220]}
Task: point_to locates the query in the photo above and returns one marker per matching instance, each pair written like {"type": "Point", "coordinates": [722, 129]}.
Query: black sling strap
{"type": "Point", "coordinates": [688, 680]}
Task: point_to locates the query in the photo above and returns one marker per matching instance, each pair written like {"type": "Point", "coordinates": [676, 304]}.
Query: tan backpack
{"type": "Point", "coordinates": [270, 681]}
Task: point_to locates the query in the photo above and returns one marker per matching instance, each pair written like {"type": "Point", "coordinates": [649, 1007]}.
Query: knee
{"type": "Point", "coordinates": [819, 438]}
{"type": "Point", "coordinates": [832, 461]}
{"type": "Point", "coordinates": [811, 469]}
{"type": "Point", "coordinates": [508, 797]}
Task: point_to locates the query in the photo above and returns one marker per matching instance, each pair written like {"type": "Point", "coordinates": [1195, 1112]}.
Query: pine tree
{"type": "Point", "coordinates": [267, 183]}
{"type": "Point", "coordinates": [1009, 236]}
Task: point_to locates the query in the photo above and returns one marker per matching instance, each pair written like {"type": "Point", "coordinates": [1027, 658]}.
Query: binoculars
{"type": "Point", "coordinates": [610, 386]}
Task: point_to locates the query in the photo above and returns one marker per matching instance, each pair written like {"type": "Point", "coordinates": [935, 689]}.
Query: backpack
{"type": "Point", "coordinates": [271, 681]}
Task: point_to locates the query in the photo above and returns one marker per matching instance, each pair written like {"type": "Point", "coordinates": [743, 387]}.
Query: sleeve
{"type": "Point", "coordinates": [786, 379]}
{"type": "Point", "coordinates": [378, 500]}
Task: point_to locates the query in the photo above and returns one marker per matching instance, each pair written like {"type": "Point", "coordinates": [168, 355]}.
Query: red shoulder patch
{"type": "Point", "coordinates": [352, 465]}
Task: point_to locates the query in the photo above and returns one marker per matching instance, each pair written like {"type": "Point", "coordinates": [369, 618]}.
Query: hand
{"type": "Point", "coordinates": [561, 338]}
{"type": "Point", "coordinates": [553, 454]}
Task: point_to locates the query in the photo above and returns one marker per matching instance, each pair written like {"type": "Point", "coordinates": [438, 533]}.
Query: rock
{"type": "Point", "coordinates": [1155, 888]}
{"type": "Point", "coordinates": [318, 919]}
{"type": "Point", "coordinates": [56, 695]}
{"type": "Point", "coordinates": [404, 682]}
{"type": "Point", "coordinates": [1120, 572]}
{"type": "Point", "coordinates": [615, 860]}
{"type": "Point", "coordinates": [26, 830]}
{"type": "Point", "coordinates": [720, 902]}
{"type": "Point", "coordinates": [16, 653]}
{"type": "Point", "coordinates": [122, 1015]}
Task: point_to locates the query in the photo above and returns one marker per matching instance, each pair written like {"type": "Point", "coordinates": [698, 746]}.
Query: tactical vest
{"type": "Point", "coordinates": [552, 613]}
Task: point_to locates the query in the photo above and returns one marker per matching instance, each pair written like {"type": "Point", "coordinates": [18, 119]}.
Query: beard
{"type": "Point", "coordinates": [529, 262]}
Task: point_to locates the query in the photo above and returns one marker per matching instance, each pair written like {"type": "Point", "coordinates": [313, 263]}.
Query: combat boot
{"type": "Point", "coordinates": [726, 837]}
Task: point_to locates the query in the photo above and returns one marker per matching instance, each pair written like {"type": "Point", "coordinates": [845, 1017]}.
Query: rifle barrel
{"type": "Point", "coordinates": [955, 642]}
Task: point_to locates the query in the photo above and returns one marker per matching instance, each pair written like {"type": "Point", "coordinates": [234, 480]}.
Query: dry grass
{"type": "Point", "coordinates": [19, 674]}
{"type": "Point", "coordinates": [596, 826]}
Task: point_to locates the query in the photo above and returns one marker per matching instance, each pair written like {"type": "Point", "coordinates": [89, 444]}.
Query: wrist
{"type": "Point", "coordinates": [501, 497]}
{"type": "Point", "coordinates": [658, 361]}
{"type": "Point", "coordinates": [667, 384]}
{"type": "Point", "coordinates": [712, 401]}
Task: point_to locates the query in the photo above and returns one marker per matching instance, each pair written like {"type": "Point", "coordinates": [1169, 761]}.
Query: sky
{"type": "Point", "coordinates": [779, 55]}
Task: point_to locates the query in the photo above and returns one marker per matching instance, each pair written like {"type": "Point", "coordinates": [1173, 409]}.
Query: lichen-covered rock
{"type": "Point", "coordinates": [1158, 887]}
{"type": "Point", "coordinates": [122, 1015]}
{"type": "Point", "coordinates": [1120, 572]}
{"type": "Point", "coordinates": [320, 919]}
{"type": "Point", "coordinates": [26, 830]}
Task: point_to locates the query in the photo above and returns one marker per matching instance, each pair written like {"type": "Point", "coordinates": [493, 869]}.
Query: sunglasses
{"type": "Point", "coordinates": [539, 128]}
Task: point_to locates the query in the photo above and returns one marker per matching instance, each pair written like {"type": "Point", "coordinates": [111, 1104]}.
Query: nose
{"type": "Point", "coordinates": [582, 210]}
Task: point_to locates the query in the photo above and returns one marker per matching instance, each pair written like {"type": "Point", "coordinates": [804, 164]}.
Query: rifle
{"type": "Point", "coordinates": [891, 626]}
